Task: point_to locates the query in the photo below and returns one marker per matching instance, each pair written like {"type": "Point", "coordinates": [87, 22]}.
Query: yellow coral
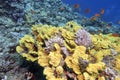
{"type": "Point", "coordinates": [101, 78]}
{"type": "Point", "coordinates": [57, 47]}
{"type": "Point", "coordinates": [76, 69]}
{"type": "Point", "coordinates": [100, 41]}
{"type": "Point", "coordinates": [28, 42]}
{"type": "Point", "coordinates": [59, 70]}
{"type": "Point", "coordinates": [34, 48]}
{"type": "Point", "coordinates": [49, 72]}
{"type": "Point", "coordinates": [80, 52]}
{"type": "Point", "coordinates": [29, 57]}
{"type": "Point", "coordinates": [80, 77]}
{"type": "Point", "coordinates": [100, 54]}
{"type": "Point", "coordinates": [96, 67]}
{"type": "Point", "coordinates": [19, 49]}
{"type": "Point", "coordinates": [73, 63]}
{"type": "Point", "coordinates": [117, 64]}
{"type": "Point", "coordinates": [26, 38]}
{"type": "Point", "coordinates": [43, 59]}
{"type": "Point", "coordinates": [106, 41]}
{"type": "Point", "coordinates": [69, 62]}
{"type": "Point", "coordinates": [55, 58]}
{"type": "Point", "coordinates": [117, 78]}
{"type": "Point", "coordinates": [72, 26]}
{"type": "Point", "coordinates": [88, 77]}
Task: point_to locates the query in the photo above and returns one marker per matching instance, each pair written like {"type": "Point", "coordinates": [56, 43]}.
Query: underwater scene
{"type": "Point", "coordinates": [106, 10]}
{"type": "Point", "coordinates": [59, 40]}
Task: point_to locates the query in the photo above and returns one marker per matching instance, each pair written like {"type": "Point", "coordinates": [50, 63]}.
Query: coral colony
{"type": "Point", "coordinates": [70, 52]}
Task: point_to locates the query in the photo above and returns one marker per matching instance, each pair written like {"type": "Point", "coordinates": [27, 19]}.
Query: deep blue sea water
{"type": "Point", "coordinates": [111, 8]}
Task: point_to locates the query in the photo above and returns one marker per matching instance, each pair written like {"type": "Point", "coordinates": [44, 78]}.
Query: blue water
{"type": "Point", "coordinates": [111, 7]}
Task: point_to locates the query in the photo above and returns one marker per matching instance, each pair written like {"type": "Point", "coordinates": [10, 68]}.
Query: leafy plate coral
{"type": "Point", "coordinates": [70, 52]}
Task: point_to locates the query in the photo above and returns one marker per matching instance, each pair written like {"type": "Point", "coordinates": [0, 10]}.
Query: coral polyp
{"type": "Point", "coordinates": [70, 52]}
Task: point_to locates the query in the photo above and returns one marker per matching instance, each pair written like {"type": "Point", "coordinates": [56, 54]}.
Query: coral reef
{"type": "Point", "coordinates": [95, 25]}
{"type": "Point", "coordinates": [38, 11]}
{"type": "Point", "coordinates": [65, 56]}
{"type": "Point", "coordinates": [16, 18]}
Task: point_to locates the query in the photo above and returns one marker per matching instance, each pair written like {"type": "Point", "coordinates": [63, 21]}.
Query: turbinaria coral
{"type": "Point", "coordinates": [70, 52]}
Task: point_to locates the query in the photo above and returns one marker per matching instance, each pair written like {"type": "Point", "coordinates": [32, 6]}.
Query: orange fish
{"type": "Point", "coordinates": [102, 11]}
{"type": "Point", "coordinates": [87, 10]}
{"type": "Point", "coordinates": [115, 34]}
{"type": "Point", "coordinates": [76, 6]}
{"type": "Point", "coordinates": [97, 15]}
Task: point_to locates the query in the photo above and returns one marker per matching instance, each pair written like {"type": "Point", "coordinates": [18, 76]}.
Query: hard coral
{"type": "Point", "coordinates": [70, 52]}
{"type": "Point", "coordinates": [57, 39]}
{"type": "Point", "coordinates": [83, 38]}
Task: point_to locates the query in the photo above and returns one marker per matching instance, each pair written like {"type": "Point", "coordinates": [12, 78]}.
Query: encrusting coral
{"type": "Point", "coordinates": [70, 52]}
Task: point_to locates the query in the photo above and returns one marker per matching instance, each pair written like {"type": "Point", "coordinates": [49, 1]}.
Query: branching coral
{"type": "Point", "coordinates": [70, 52]}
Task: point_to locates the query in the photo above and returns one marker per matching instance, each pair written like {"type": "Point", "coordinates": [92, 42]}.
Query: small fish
{"type": "Point", "coordinates": [102, 11]}
{"type": "Point", "coordinates": [76, 6]}
{"type": "Point", "coordinates": [87, 10]}
{"type": "Point", "coordinates": [97, 15]}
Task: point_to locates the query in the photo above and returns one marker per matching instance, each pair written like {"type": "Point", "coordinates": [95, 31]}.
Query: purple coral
{"type": "Point", "coordinates": [110, 73]}
{"type": "Point", "coordinates": [53, 40]}
{"type": "Point", "coordinates": [49, 44]}
{"type": "Point", "coordinates": [57, 39]}
{"type": "Point", "coordinates": [83, 38]}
